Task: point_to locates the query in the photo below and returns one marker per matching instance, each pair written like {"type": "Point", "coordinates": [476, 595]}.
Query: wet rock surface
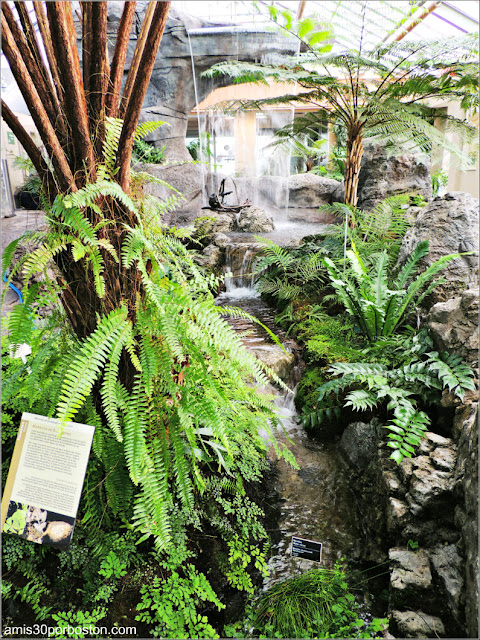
{"type": "Point", "coordinates": [423, 501]}
{"type": "Point", "coordinates": [450, 224]}
{"type": "Point", "coordinates": [255, 220]}
{"type": "Point", "coordinates": [416, 624]}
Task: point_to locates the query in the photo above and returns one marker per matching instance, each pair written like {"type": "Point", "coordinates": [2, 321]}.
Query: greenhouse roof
{"type": "Point", "coordinates": [375, 20]}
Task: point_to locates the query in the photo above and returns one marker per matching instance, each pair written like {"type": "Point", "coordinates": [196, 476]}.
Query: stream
{"type": "Point", "coordinates": [315, 502]}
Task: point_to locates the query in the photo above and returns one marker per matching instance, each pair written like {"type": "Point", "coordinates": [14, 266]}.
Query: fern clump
{"type": "Point", "coordinates": [151, 362]}
{"type": "Point", "coordinates": [414, 382]}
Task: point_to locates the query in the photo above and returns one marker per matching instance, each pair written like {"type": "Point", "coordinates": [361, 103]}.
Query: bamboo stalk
{"type": "Point", "coordinates": [139, 89]}
{"type": "Point", "coordinates": [119, 57]}
{"type": "Point", "coordinates": [36, 108]}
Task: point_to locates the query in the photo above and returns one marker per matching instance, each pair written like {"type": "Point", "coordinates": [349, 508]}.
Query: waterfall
{"type": "Point", "coordinates": [240, 262]}
{"type": "Point", "coordinates": [202, 154]}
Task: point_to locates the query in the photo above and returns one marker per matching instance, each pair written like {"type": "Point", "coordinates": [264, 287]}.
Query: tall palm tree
{"type": "Point", "coordinates": [388, 91]}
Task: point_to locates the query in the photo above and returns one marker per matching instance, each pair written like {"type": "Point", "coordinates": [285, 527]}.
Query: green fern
{"type": "Point", "coordinates": [419, 377]}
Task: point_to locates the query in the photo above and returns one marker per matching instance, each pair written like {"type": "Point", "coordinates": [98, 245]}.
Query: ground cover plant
{"type": "Point", "coordinates": [315, 604]}
{"type": "Point", "coordinates": [378, 92]}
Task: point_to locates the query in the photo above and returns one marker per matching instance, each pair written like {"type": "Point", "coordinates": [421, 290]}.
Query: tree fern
{"type": "Point", "coordinates": [390, 106]}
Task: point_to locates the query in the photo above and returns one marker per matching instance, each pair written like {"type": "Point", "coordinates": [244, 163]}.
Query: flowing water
{"type": "Point", "coordinates": [314, 499]}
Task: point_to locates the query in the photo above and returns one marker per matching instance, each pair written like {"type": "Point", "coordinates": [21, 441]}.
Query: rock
{"type": "Point", "coordinates": [383, 175]}
{"type": "Point", "coordinates": [447, 567]}
{"type": "Point", "coordinates": [465, 428]}
{"type": "Point", "coordinates": [210, 257]}
{"type": "Point", "coordinates": [185, 178]}
{"type": "Point", "coordinates": [397, 514]}
{"type": "Point", "coordinates": [358, 444]}
{"type": "Point", "coordinates": [410, 570]}
{"type": "Point", "coordinates": [450, 224]}
{"type": "Point", "coordinates": [308, 192]}
{"type": "Point", "coordinates": [210, 223]}
{"type": "Point", "coordinates": [255, 220]}
{"type": "Point", "coordinates": [454, 325]}
{"type": "Point", "coordinates": [429, 489]}
{"type": "Point", "coordinates": [276, 358]}
{"type": "Point", "coordinates": [416, 624]}
{"type": "Point", "coordinates": [221, 240]}
{"type": "Point", "coordinates": [443, 459]}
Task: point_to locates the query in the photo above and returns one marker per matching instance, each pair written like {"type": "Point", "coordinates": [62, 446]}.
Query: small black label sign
{"type": "Point", "coordinates": [306, 549]}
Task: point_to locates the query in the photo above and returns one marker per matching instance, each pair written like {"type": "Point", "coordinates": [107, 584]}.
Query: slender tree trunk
{"type": "Point", "coordinates": [354, 160]}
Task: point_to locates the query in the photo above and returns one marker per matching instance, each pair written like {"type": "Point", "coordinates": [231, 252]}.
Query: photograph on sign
{"type": "Point", "coordinates": [45, 480]}
{"type": "Point", "coordinates": [306, 549]}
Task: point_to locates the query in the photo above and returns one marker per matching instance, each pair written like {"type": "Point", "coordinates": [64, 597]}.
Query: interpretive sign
{"type": "Point", "coordinates": [45, 480]}
{"type": "Point", "coordinates": [306, 549]}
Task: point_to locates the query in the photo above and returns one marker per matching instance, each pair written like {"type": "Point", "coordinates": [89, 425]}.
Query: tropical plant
{"type": "Point", "coordinates": [309, 151]}
{"type": "Point", "coordinates": [371, 231]}
{"type": "Point", "coordinates": [379, 304]}
{"type": "Point", "coordinates": [70, 103]}
{"type": "Point", "coordinates": [417, 377]}
{"type": "Point", "coordinates": [379, 92]}
{"type": "Point", "coordinates": [146, 152]}
{"type": "Point", "coordinates": [289, 274]}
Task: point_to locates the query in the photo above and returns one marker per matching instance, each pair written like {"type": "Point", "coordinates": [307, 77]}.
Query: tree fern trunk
{"type": "Point", "coordinates": [69, 111]}
{"type": "Point", "coordinates": [353, 163]}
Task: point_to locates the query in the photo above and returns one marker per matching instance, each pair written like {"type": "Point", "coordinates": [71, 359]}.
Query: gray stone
{"type": "Point", "coordinates": [450, 224]}
{"type": "Point", "coordinates": [281, 362]}
{"type": "Point", "coordinates": [410, 570]}
{"type": "Point", "coordinates": [255, 220]}
{"type": "Point", "coordinates": [436, 440]}
{"type": "Point", "coordinates": [454, 325]}
{"type": "Point", "coordinates": [397, 514]}
{"type": "Point", "coordinates": [210, 256]}
{"type": "Point", "coordinates": [416, 624]}
{"type": "Point", "coordinates": [429, 488]}
{"type": "Point", "coordinates": [221, 240]}
{"type": "Point", "coordinates": [466, 478]}
{"type": "Point", "coordinates": [383, 175]}
{"type": "Point", "coordinates": [447, 566]}
{"type": "Point", "coordinates": [186, 179]}
{"type": "Point", "coordinates": [307, 192]}
{"type": "Point", "coordinates": [210, 223]}
{"type": "Point", "coordinates": [443, 459]}
{"type": "Point", "coordinates": [358, 444]}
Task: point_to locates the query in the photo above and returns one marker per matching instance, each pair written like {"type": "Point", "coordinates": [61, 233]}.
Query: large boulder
{"type": "Point", "coordinates": [254, 220]}
{"type": "Point", "coordinates": [306, 193]}
{"type": "Point", "coordinates": [383, 174]}
{"type": "Point", "coordinates": [185, 180]}
{"type": "Point", "coordinates": [454, 325]}
{"type": "Point", "coordinates": [450, 224]}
